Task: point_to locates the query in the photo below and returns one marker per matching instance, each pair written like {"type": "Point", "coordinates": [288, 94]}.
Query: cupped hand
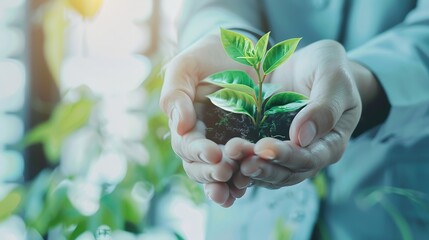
{"type": "Point", "coordinates": [320, 132]}
{"type": "Point", "coordinates": [203, 160]}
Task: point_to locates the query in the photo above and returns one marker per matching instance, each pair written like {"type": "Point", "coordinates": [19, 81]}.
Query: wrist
{"type": "Point", "coordinates": [375, 105]}
{"type": "Point", "coordinates": [366, 83]}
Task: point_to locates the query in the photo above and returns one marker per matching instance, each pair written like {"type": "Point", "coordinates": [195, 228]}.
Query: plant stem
{"type": "Point", "coordinates": [259, 99]}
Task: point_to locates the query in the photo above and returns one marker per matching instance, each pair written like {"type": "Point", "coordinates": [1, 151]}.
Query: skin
{"type": "Point", "coordinates": [337, 87]}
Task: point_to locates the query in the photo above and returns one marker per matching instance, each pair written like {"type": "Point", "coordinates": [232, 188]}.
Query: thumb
{"type": "Point", "coordinates": [180, 111]}
{"type": "Point", "coordinates": [327, 105]}
{"type": "Point", "coordinates": [177, 97]}
{"type": "Point", "coordinates": [313, 122]}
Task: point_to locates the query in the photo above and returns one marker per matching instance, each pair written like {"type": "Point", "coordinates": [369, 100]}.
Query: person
{"type": "Point", "coordinates": [364, 66]}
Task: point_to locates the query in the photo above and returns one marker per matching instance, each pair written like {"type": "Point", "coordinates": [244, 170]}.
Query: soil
{"type": "Point", "coordinates": [222, 125]}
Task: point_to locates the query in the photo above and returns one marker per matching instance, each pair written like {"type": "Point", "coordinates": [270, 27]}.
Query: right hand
{"type": "Point", "coordinates": [203, 160]}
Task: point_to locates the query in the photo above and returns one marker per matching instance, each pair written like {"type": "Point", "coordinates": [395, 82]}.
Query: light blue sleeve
{"type": "Point", "coordinates": [201, 17]}
{"type": "Point", "coordinates": [400, 59]}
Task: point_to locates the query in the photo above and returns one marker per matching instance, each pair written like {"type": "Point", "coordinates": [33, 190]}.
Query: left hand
{"type": "Point", "coordinates": [319, 133]}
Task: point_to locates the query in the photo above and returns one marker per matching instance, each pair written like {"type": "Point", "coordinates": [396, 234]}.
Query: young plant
{"type": "Point", "coordinates": [239, 93]}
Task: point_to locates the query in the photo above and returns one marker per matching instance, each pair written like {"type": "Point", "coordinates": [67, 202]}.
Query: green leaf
{"type": "Point", "coordinates": [37, 135]}
{"type": "Point", "coordinates": [278, 54]}
{"type": "Point", "coordinates": [233, 101]}
{"type": "Point", "coordinates": [238, 47]}
{"type": "Point", "coordinates": [52, 148]}
{"type": "Point", "coordinates": [321, 184]}
{"type": "Point", "coordinates": [235, 80]}
{"type": "Point", "coordinates": [71, 116]}
{"type": "Point", "coordinates": [65, 119]}
{"type": "Point", "coordinates": [400, 222]}
{"type": "Point", "coordinates": [261, 46]}
{"type": "Point", "coordinates": [285, 102]}
{"type": "Point", "coordinates": [282, 231]}
{"type": "Point", "coordinates": [10, 204]}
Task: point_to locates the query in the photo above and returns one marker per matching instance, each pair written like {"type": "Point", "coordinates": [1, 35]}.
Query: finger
{"type": "Point", "coordinates": [178, 93]}
{"type": "Point", "coordinates": [234, 191]}
{"type": "Point", "coordinates": [327, 104]}
{"type": "Point", "coordinates": [259, 169]}
{"type": "Point", "coordinates": [321, 153]}
{"type": "Point", "coordinates": [240, 181]}
{"type": "Point", "coordinates": [238, 148]}
{"type": "Point", "coordinates": [194, 146]}
{"type": "Point", "coordinates": [208, 173]}
{"type": "Point", "coordinates": [286, 154]}
{"type": "Point", "coordinates": [229, 202]}
{"type": "Point", "coordinates": [217, 192]}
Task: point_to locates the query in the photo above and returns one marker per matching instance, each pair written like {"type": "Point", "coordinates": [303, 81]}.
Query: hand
{"type": "Point", "coordinates": [320, 132]}
{"type": "Point", "coordinates": [203, 160]}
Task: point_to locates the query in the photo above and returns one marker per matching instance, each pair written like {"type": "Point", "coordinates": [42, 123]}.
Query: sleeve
{"type": "Point", "coordinates": [399, 58]}
{"type": "Point", "coordinates": [202, 17]}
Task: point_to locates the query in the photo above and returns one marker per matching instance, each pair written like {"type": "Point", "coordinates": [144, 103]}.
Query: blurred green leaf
{"type": "Point", "coordinates": [400, 222]}
{"type": "Point", "coordinates": [66, 119]}
{"type": "Point", "coordinates": [130, 210]}
{"type": "Point", "coordinates": [80, 228]}
{"type": "Point", "coordinates": [10, 203]}
{"type": "Point", "coordinates": [52, 148]}
{"type": "Point", "coordinates": [38, 134]}
{"type": "Point", "coordinates": [35, 203]}
{"type": "Point", "coordinates": [282, 231]}
{"type": "Point", "coordinates": [110, 212]}
{"type": "Point", "coordinates": [321, 184]}
{"type": "Point", "coordinates": [178, 236]}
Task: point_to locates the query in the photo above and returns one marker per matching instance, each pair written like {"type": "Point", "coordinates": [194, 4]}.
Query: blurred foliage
{"type": "Point", "coordinates": [282, 231]}
{"type": "Point", "coordinates": [321, 184]}
{"type": "Point", "coordinates": [380, 196]}
{"type": "Point", "coordinates": [45, 203]}
{"type": "Point", "coordinates": [10, 203]}
{"type": "Point", "coordinates": [86, 8]}
{"type": "Point", "coordinates": [54, 26]}
{"type": "Point", "coordinates": [48, 202]}
{"type": "Point", "coordinates": [66, 119]}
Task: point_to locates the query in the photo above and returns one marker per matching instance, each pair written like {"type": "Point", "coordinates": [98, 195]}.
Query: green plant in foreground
{"type": "Point", "coordinates": [239, 93]}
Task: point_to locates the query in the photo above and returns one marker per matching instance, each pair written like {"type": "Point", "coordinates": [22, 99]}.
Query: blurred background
{"type": "Point", "coordinates": [84, 148]}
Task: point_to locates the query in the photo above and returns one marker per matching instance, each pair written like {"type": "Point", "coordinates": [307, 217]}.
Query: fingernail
{"type": "Point", "coordinates": [236, 155]}
{"type": "Point", "coordinates": [256, 173]}
{"type": "Point", "coordinates": [307, 134]}
{"type": "Point", "coordinates": [203, 158]}
{"type": "Point", "coordinates": [266, 154]}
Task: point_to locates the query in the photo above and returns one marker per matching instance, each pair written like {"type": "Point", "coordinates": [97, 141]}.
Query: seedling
{"type": "Point", "coordinates": [239, 93]}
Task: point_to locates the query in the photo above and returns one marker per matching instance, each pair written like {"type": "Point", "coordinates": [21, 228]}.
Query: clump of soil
{"type": "Point", "coordinates": [222, 125]}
